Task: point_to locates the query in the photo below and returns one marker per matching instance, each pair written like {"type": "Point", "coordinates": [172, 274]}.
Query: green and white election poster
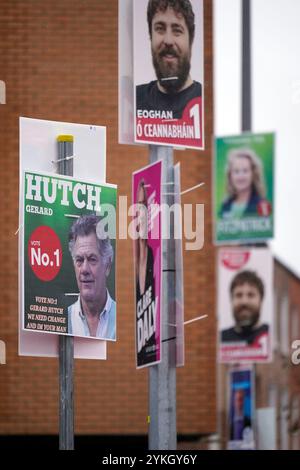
{"type": "Point", "coordinates": [69, 256]}
{"type": "Point", "coordinates": [244, 188]}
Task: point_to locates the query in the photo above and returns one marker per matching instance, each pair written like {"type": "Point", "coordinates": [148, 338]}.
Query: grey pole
{"type": "Point", "coordinates": [66, 343]}
{"type": "Point", "coordinates": [246, 124]}
{"type": "Point", "coordinates": [246, 66]}
{"type": "Point", "coordinates": [162, 377]}
{"type": "Point", "coordinates": [247, 88]}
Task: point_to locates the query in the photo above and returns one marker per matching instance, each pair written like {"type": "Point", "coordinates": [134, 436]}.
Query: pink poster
{"type": "Point", "coordinates": [146, 195]}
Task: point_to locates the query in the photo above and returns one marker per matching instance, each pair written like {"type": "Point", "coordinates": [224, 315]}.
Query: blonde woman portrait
{"type": "Point", "coordinates": [245, 186]}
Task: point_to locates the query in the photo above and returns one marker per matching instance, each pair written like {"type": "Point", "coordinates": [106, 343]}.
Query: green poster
{"type": "Point", "coordinates": [244, 188]}
{"type": "Point", "coordinates": [69, 256]}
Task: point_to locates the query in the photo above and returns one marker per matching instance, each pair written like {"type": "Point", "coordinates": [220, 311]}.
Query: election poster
{"type": "Point", "coordinates": [39, 152]}
{"type": "Point", "coordinates": [241, 409]}
{"type": "Point", "coordinates": [244, 188]}
{"type": "Point", "coordinates": [146, 196]}
{"type": "Point", "coordinates": [168, 69]}
{"type": "Point", "coordinates": [245, 305]}
{"type": "Point", "coordinates": [68, 248]}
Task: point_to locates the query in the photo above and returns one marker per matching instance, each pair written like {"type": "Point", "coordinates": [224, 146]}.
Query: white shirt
{"type": "Point", "coordinates": [78, 324]}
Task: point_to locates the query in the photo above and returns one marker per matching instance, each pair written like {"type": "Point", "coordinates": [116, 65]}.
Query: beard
{"type": "Point", "coordinates": [180, 69]}
{"type": "Point", "coordinates": [246, 323]}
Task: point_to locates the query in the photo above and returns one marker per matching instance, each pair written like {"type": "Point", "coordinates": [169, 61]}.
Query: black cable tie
{"type": "Point", "coordinates": [168, 339]}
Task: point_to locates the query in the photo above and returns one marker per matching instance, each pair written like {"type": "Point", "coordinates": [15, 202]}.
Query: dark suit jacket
{"type": "Point", "coordinates": [251, 208]}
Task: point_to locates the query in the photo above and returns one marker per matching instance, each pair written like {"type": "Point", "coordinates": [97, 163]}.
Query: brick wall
{"type": "Point", "coordinates": [58, 59]}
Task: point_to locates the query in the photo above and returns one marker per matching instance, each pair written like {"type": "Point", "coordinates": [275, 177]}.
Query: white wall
{"type": "Point", "coordinates": [227, 67]}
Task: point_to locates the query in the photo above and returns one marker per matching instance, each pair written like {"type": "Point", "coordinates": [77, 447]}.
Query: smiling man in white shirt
{"type": "Point", "coordinates": [94, 313]}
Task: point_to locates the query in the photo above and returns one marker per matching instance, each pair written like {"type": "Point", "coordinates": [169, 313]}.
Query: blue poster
{"type": "Point", "coordinates": [241, 409]}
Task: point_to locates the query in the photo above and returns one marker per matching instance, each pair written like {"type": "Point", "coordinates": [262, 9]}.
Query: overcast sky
{"type": "Point", "coordinates": [276, 100]}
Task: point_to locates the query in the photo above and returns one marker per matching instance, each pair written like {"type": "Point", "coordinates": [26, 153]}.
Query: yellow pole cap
{"type": "Point", "coordinates": [65, 138]}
